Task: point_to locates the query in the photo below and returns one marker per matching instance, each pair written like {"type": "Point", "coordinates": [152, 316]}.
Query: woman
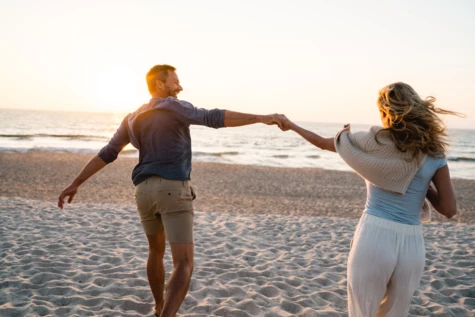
{"type": "Point", "coordinates": [398, 163]}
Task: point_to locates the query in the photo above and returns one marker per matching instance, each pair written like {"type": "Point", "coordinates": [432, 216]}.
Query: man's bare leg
{"type": "Point", "coordinates": [179, 281]}
{"type": "Point", "coordinates": [155, 268]}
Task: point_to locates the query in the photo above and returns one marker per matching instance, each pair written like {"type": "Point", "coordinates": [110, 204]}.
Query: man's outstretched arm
{"type": "Point", "coordinates": [237, 119]}
{"type": "Point", "coordinates": [91, 168]}
{"type": "Point", "coordinates": [105, 156]}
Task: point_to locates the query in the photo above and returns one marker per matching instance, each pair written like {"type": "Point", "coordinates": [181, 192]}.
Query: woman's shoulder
{"type": "Point", "coordinates": [435, 161]}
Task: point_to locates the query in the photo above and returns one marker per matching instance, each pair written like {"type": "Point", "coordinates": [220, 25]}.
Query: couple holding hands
{"type": "Point", "coordinates": [402, 162]}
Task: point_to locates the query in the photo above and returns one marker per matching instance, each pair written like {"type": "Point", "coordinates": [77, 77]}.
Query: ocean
{"type": "Point", "coordinates": [82, 132]}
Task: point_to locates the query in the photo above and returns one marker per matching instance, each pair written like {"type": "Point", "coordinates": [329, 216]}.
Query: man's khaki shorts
{"type": "Point", "coordinates": [166, 205]}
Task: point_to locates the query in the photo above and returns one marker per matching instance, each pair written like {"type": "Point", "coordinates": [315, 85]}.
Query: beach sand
{"type": "Point", "coordinates": [269, 242]}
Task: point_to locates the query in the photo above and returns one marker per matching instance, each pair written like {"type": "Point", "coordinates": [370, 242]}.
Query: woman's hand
{"type": "Point", "coordinates": [286, 124]}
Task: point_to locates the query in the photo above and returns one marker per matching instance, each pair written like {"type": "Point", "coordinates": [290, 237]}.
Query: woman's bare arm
{"type": "Point", "coordinates": [320, 142]}
{"type": "Point", "coordinates": [442, 197]}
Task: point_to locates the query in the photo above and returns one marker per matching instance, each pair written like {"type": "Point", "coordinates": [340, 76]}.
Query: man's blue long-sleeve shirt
{"type": "Point", "coordinates": [160, 131]}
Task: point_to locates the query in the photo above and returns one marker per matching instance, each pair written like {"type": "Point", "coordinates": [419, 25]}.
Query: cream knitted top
{"type": "Point", "coordinates": [382, 164]}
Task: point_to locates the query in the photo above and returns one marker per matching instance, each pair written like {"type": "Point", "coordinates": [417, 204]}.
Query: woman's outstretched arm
{"type": "Point", "coordinates": [320, 142]}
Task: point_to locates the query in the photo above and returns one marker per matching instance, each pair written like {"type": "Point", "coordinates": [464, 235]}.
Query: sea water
{"type": "Point", "coordinates": [81, 132]}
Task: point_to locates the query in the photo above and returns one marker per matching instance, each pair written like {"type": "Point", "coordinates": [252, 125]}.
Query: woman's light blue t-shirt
{"type": "Point", "coordinates": [403, 208]}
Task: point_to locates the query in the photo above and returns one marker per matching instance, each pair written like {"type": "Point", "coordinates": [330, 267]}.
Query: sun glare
{"type": "Point", "coordinates": [117, 90]}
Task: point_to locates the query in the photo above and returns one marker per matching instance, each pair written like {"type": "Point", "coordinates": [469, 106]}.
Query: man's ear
{"type": "Point", "coordinates": [159, 85]}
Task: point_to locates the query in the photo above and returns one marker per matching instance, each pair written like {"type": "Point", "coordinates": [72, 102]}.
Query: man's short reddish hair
{"type": "Point", "coordinates": [157, 72]}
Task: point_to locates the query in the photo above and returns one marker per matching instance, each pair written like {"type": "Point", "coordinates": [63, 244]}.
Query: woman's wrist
{"type": "Point", "coordinates": [293, 126]}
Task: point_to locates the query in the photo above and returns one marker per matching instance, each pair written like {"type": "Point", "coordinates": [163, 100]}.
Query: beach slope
{"type": "Point", "coordinates": [267, 243]}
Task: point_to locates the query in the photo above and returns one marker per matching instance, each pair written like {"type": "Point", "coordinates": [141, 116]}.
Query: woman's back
{"type": "Point", "coordinates": [403, 208]}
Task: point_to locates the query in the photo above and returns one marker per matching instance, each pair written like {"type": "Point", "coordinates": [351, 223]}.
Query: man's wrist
{"type": "Point", "coordinates": [259, 118]}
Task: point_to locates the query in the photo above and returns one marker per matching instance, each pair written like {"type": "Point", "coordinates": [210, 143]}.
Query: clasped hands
{"type": "Point", "coordinates": [279, 119]}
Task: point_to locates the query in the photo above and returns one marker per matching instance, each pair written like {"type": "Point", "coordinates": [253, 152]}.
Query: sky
{"type": "Point", "coordinates": [317, 61]}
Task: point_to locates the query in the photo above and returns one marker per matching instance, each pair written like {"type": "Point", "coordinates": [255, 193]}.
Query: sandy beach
{"type": "Point", "coordinates": [269, 242]}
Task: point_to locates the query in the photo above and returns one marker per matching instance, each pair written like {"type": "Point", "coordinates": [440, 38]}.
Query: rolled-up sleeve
{"type": "Point", "coordinates": [189, 114]}
{"type": "Point", "coordinates": [120, 139]}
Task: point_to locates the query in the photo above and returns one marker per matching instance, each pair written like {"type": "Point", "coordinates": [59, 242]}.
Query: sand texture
{"type": "Point", "coordinates": [89, 260]}
{"type": "Point", "coordinates": [269, 242]}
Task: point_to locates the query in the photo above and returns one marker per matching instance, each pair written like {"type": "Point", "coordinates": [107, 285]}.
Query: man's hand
{"type": "Point", "coordinates": [92, 167]}
{"type": "Point", "coordinates": [69, 191]}
{"type": "Point", "coordinates": [272, 119]}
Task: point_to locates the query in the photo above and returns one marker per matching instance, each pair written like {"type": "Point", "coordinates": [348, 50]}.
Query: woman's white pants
{"type": "Point", "coordinates": [385, 267]}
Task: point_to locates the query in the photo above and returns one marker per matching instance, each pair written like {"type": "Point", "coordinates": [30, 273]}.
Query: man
{"type": "Point", "coordinates": [160, 131]}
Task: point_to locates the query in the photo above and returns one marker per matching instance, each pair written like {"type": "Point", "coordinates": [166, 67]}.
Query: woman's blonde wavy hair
{"type": "Point", "coordinates": [413, 123]}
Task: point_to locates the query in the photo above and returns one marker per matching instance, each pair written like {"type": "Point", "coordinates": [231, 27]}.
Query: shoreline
{"type": "Point", "coordinates": [133, 154]}
{"type": "Point", "coordinates": [223, 188]}
{"type": "Point", "coordinates": [126, 154]}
